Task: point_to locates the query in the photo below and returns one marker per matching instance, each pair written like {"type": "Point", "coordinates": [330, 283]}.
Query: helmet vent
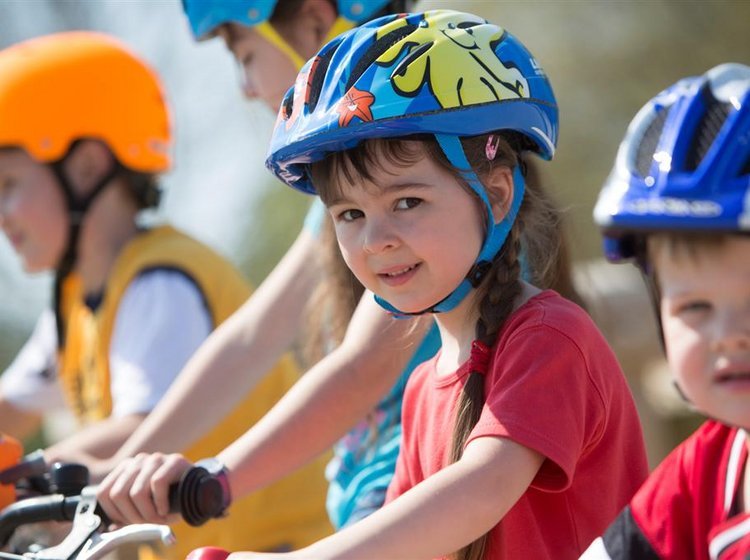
{"type": "Point", "coordinates": [649, 142]}
{"type": "Point", "coordinates": [745, 168]}
{"type": "Point", "coordinates": [316, 84]}
{"type": "Point", "coordinates": [708, 128]}
{"type": "Point", "coordinates": [377, 49]}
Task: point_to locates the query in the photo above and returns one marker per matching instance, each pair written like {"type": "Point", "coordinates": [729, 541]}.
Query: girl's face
{"type": "Point", "coordinates": [32, 210]}
{"type": "Point", "coordinates": [411, 235]}
{"type": "Point", "coordinates": [705, 312]}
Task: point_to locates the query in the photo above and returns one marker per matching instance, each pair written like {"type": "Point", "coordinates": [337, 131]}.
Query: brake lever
{"type": "Point", "coordinates": [102, 544]}
{"type": "Point", "coordinates": [85, 524]}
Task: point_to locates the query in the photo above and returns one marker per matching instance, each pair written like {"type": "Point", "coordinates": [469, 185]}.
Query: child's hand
{"type": "Point", "coordinates": [262, 556]}
{"type": "Point", "coordinates": [137, 490]}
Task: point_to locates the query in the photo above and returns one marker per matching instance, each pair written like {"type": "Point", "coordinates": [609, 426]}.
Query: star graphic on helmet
{"type": "Point", "coordinates": [355, 103]}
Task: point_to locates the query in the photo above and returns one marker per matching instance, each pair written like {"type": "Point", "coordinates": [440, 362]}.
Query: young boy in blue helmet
{"type": "Point", "coordinates": [678, 204]}
{"type": "Point", "coordinates": [360, 383]}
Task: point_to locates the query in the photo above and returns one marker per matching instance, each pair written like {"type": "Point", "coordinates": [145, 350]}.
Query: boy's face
{"type": "Point", "coordinates": [705, 312]}
{"type": "Point", "coordinates": [266, 73]}
{"type": "Point", "coordinates": [32, 210]}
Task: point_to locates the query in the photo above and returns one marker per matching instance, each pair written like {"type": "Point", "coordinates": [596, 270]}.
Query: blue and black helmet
{"type": "Point", "coordinates": [684, 164]}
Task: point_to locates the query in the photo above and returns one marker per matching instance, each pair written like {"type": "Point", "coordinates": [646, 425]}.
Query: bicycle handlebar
{"type": "Point", "coordinates": [197, 497]}
{"type": "Point", "coordinates": [34, 510]}
{"type": "Point", "coordinates": [32, 464]}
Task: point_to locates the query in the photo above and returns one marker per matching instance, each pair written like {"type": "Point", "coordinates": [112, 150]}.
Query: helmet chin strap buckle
{"type": "Point", "coordinates": [477, 273]}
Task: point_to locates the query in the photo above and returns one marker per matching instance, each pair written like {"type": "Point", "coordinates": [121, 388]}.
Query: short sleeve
{"type": "Point", "coordinates": [30, 382]}
{"type": "Point", "coordinates": [540, 394]}
{"type": "Point", "coordinates": [161, 321]}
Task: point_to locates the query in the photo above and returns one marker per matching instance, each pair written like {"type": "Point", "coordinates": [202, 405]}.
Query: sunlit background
{"type": "Point", "coordinates": [604, 59]}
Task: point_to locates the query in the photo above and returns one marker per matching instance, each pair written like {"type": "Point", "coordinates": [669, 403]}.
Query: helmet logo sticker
{"type": "Point", "coordinates": [668, 206]}
{"type": "Point", "coordinates": [469, 73]}
{"type": "Point", "coordinates": [355, 103]}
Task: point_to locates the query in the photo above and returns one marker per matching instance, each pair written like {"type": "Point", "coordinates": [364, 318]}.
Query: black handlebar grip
{"type": "Point", "coordinates": [198, 497]}
{"type": "Point", "coordinates": [32, 510]}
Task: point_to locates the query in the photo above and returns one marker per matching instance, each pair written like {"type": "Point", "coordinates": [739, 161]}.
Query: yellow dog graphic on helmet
{"type": "Point", "coordinates": [469, 71]}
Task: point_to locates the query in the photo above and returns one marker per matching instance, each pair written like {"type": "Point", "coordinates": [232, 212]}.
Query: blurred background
{"type": "Point", "coordinates": [605, 59]}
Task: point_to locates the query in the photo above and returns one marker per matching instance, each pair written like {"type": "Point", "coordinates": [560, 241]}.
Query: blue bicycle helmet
{"type": "Point", "coordinates": [205, 16]}
{"type": "Point", "coordinates": [684, 164]}
{"type": "Point", "coordinates": [442, 72]}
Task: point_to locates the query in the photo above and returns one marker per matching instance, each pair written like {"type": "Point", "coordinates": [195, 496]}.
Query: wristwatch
{"type": "Point", "coordinates": [219, 472]}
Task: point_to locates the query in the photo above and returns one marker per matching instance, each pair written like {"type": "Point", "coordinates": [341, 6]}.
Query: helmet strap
{"type": "Point", "coordinates": [269, 33]}
{"type": "Point", "coordinates": [497, 233]}
{"type": "Point", "coordinates": [77, 209]}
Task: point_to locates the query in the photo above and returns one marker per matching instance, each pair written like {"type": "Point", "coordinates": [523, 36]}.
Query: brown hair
{"type": "Point", "coordinates": [678, 245]}
{"type": "Point", "coordinates": [333, 301]}
{"type": "Point", "coordinates": [536, 229]}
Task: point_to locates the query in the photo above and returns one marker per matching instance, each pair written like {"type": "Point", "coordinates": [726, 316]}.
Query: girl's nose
{"type": "Point", "coordinates": [378, 236]}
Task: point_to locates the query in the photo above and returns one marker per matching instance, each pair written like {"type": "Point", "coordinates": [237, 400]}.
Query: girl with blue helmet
{"type": "Point", "coordinates": [413, 130]}
{"type": "Point", "coordinates": [677, 203]}
{"type": "Point", "coordinates": [363, 376]}
{"type": "Point", "coordinates": [269, 39]}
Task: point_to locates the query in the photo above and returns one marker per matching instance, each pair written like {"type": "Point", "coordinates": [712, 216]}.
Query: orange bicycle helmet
{"type": "Point", "coordinates": [10, 454]}
{"type": "Point", "coordinates": [66, 86]}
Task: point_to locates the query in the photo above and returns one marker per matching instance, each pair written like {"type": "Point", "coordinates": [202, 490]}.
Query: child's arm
{"type": "Point", "coordinates": [101, 439]}
{"type": "Point", "coordinates": [331, 397]}
{"type": "Point", "coordinates": [440, 515]}
{"type": "Point", "coordinates": [231, 361]}
{"type": "Point", "coordinates": [17, 422]}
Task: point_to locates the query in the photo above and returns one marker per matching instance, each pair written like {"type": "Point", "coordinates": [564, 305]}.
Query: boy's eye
{"type": "Point", "coordinates": [407, 203]}
{"type": "Point", "coordinates": [693, 307]}
{"type": "Point", "coordinates": [6, 186]}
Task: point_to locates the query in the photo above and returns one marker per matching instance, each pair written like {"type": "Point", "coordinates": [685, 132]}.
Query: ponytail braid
{"type": "Point", "coordinates": [497, 297]}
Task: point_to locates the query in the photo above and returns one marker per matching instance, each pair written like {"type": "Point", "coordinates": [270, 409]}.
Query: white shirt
{"type": "Point", "coordinates": [162, 319]}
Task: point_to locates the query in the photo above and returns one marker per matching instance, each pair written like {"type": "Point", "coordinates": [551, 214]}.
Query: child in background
{"type": "Point", "coordinates": [410, 128]}
{"type": "Point", "coordinates": [84, 129]}
{"type": "Point", "coordinates": [678, 204]}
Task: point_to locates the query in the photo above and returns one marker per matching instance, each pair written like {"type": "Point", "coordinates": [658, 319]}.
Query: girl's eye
{"type": "Point", "coordinates": [350, 215]}
{"type": "Point", "coordinates": [407, 203]}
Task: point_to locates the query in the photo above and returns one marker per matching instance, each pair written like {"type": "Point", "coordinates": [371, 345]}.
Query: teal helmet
{"type": "Point", "coordinates": [205, 16]}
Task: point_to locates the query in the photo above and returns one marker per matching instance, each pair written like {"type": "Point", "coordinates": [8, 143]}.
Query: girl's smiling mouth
{"type": "Point", "coordinates": [396, 276]}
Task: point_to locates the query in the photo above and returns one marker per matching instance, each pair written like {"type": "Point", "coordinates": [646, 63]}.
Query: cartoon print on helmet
{"type": "Point", "coordinates": [439, 72]}
{"type": "Point", "coordinates": [355, 103]}
{"type": "Point", "coordinates": [468, 74]}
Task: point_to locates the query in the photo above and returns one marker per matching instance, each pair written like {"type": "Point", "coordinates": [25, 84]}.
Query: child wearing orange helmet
{"type": "Point", "coordinates": [84, 129]}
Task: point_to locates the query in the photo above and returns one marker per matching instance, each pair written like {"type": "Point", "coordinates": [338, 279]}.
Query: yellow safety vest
{"type": "Point", "coordinates": [290, 513]}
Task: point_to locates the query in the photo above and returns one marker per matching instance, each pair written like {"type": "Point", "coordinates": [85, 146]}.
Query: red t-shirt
{"type": "Point", "coordinates": [688, 505]}
{"type": "Point", "coordinates": [554, 386]}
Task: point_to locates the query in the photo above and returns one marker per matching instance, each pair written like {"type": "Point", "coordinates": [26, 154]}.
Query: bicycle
{"type": "Point", "coordinates": [63, 494]}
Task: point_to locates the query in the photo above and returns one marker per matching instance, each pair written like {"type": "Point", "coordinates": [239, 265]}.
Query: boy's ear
{"type": "Point", "coordinates": [499, 185]}
{"type": "Point", "coordinates": [87, 165]}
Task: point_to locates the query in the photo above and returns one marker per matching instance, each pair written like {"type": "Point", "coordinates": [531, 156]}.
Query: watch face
{"type": "Point", "coordinates": [212, 465]}
{"type": "Point", "coordinates": [218, 472]}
